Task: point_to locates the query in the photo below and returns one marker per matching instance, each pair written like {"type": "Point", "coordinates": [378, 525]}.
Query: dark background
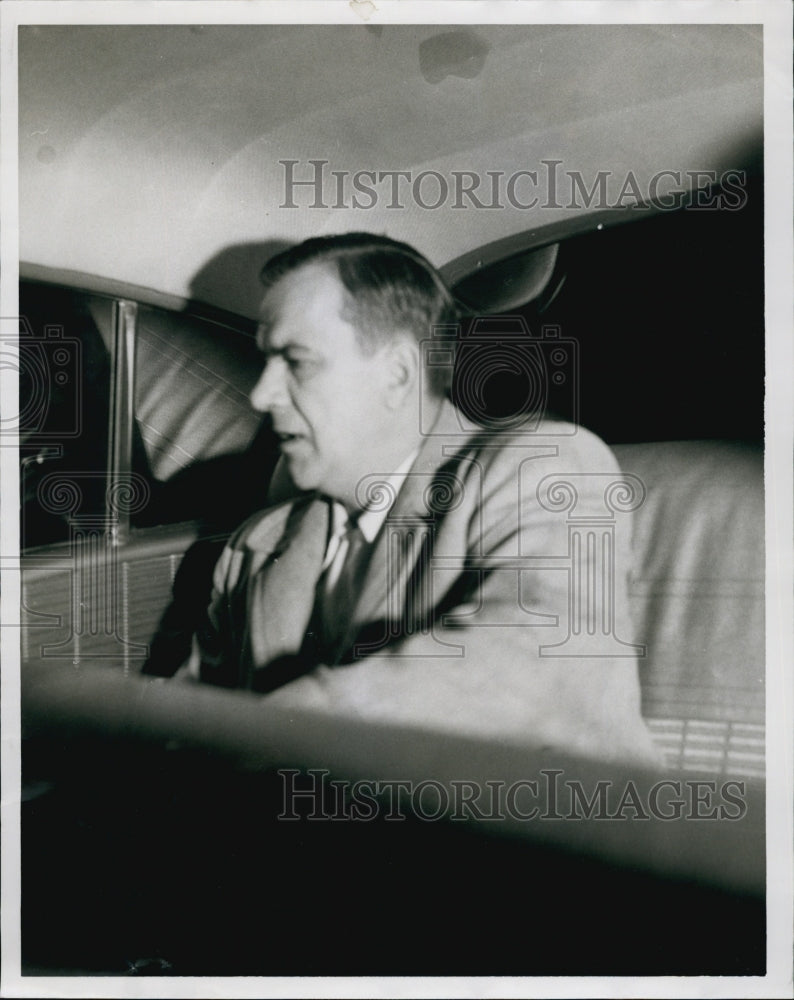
{"type": "Point", "coordinates": [667, 312]}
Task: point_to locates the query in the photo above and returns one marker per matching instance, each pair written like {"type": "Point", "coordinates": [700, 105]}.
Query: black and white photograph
{"type": "Point", "coordinates": [396, 487]}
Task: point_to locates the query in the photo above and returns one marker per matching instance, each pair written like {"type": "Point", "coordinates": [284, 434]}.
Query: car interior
{"type": "Point", "coordinates": [153, 187]}
{"type": "Point", "coordinates": [684, 414]}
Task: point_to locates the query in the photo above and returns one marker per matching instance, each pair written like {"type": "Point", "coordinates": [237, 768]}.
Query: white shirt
{"type": "Point", "coordinates": [370, 521]}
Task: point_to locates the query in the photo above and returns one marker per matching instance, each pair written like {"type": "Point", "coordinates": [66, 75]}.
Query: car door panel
{"type": "Point", "coordinates": [89, 600]}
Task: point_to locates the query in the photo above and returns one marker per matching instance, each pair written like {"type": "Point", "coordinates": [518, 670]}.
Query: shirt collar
{"type": "Point", "coordinates": [371, 519]}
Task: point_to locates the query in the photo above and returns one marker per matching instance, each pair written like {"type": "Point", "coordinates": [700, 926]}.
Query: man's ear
{"type": "Point", "coordinates": [403, 369]}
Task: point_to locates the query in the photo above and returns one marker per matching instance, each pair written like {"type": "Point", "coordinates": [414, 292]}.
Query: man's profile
{"type": "Point", "coordinates": [417, 568]}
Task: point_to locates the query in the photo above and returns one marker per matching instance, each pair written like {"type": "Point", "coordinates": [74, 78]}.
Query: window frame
{"type": "Point", "coordinates": [125, 300]}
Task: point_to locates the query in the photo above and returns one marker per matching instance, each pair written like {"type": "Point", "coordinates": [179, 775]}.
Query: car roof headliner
{"type": "Point", "coordinates": [151, 154]}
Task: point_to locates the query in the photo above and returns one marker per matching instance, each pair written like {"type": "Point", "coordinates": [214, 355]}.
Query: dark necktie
{"type": "Point", "coordinates": [337, 593]}
{"type": "Point", "coordinates": [330, 623]}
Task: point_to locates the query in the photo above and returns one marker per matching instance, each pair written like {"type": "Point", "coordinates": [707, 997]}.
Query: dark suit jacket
{"type": "Point", "coordinates": [494, 602]}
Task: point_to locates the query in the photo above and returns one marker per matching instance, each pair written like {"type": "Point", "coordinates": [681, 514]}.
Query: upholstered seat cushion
{"type": "Point", "coordinates": [697, 595]}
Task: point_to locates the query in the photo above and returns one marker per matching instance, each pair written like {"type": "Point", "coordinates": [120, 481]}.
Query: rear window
{"type": "Point", "coordinates": [196, 440]}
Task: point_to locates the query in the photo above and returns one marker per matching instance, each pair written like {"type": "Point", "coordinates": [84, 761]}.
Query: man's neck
{"type": "Point", "coordinates": [398, 454]}
{"type": "Point", "coordinates": [382, 495]}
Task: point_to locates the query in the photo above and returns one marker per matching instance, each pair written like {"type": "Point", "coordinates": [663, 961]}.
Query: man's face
{"type": "Point", "coordinates": [326, 398]}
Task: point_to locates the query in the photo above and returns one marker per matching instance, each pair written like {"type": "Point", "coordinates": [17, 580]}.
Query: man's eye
{"type": "Point", "coordinates": [301, 366]}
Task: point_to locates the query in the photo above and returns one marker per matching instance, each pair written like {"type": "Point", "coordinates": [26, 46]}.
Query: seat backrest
{"type": "Point", "coordinates": [191, 391]}
{"type": "Point", "coordinates": [697, 596]}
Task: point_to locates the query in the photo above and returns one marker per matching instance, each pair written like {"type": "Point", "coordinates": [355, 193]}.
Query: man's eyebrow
{"type": "Point", "coordinates": [263, 332]}
{"type": "Point", "coordinates": [290, 347]}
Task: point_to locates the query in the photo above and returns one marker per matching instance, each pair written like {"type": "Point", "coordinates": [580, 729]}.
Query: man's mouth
{"type": "Point", "coordinates": [285, 438]}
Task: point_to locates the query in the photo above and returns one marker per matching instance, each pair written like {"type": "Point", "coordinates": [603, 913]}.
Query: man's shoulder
{"type": "Point", "coordinates": [265, 529]}
{"type": "Point", "coordinates": [568, 441]}
{"type": "Point", "coordinates": [522, 437]}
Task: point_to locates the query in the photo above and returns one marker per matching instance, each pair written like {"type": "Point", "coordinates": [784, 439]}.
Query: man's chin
{"type": "Point", "coordinates": [303, 476]}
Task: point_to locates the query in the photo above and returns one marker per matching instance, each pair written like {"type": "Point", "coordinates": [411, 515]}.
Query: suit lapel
{"type": "Point", "coordinates": [406, 537]}
{"type": "Point", "coordinates": [281, 595]}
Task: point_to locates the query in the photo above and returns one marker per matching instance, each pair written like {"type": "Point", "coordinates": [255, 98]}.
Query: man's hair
{"type": "Point", "coordinates": [388, 286]}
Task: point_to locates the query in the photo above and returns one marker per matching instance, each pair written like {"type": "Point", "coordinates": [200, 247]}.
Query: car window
{"type": "Point", "coordinates": [64, 406]}
{"type": "Point", "coordinates": [648, 331]}
{"type": "Point", "coordinates": [668, 316]}
{"type": "Point", "coordinates": [194, 429]}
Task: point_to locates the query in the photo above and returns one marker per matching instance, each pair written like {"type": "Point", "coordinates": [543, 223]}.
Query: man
{"type": "Point", "coordinates": [417, 567]}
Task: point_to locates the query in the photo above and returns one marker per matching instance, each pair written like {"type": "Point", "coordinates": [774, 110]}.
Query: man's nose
{"type": "Point", "coordinates": [270, 390]}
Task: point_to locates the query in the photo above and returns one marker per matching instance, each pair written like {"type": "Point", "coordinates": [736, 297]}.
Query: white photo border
{"type": "Point", "coordinates": [776, 17]}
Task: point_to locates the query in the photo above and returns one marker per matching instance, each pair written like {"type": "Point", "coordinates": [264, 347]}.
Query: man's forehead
{"type": "Point", "coordinates": [299, 300]}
